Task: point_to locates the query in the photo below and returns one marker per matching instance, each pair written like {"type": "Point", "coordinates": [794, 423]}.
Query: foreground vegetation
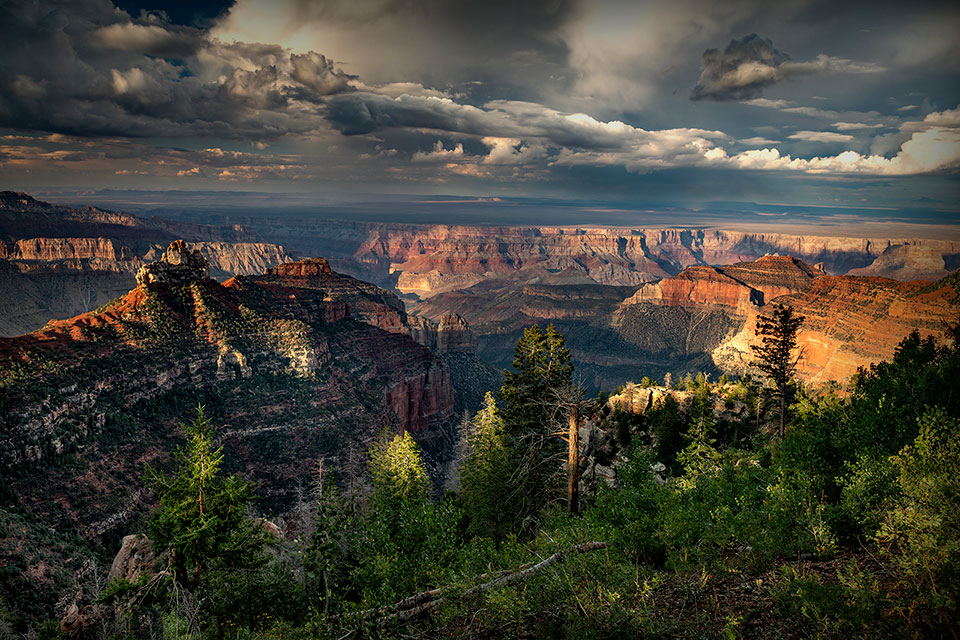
{"type": "Point", "coordinates": [847, 524]}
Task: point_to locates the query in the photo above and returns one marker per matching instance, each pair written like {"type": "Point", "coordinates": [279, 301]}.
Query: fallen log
{"type": "Point", "coordinates": [426, 601]}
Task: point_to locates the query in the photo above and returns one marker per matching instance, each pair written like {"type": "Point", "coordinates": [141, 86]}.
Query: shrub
{"type": "Point", "coordinates": [921, 533]}
{"type": "Point", "coordinates": [630, 516]}
{"type": "Point", "coordinates": [846, 607]}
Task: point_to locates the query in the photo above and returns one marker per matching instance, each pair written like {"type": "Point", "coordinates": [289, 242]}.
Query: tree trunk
{"type": "Point", "coordinates": [573, 460]}
{"type": "Point", "coordinates": [783, 415]}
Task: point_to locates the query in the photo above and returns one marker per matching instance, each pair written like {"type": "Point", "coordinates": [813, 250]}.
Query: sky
{"type": "Point", "coordinates": [806, 102]}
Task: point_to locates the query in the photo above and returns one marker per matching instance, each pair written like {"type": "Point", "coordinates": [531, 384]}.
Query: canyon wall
{"type": "Point", "coordinates": [849, 321]}
{"type": "Point", "coordinates": [56, 262]}
{"type": "Point", "coordinates": [704, 318]}
{"type": "Point", "coordinates": [289, 376]}
{"type": "Point", "coordinates": [426, 260]}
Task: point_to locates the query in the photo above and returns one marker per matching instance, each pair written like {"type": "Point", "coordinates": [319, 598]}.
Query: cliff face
{"type": "Point", "coordinates": [56, 261]}
{"type": "Point", "coordinates": [430, 259]}
{"type": "Point", "coordinates": [701, 319]}
{"type": "Point", "coordinates": [288, 374]}
{"type": "Point", "coordinates": [374, 306]}
{"type": "Point", "coordinates": [851, 322]}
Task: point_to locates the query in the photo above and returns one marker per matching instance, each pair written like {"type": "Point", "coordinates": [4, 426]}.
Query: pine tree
{"type": "Point", "coordinates": [774, 354]}
{"type": "Point", "coordinates": [541, 362]}
{"type": "Point", "coordinates": [485, 473]}
{"type": "Point", "coordinates": [542, 366]}
{"type": "Point", "coordinates": [397, 470]}
{"type": "Point", "coordinates": [202, 517]}
{"type": "Point", "coordinates": [700, 456]}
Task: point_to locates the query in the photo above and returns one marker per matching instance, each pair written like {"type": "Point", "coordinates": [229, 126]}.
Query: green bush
{"type": "Point", "coordinates": [868, 490]}
{"type": "Point", "coordinates": [921, 533]}
{"type": "Point", "coordinates": [630, 516]}
{"type": "Point", "coordinates": [846, 607]}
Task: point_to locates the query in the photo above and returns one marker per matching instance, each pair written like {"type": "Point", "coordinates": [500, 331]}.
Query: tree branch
{"type": "Point", "coordinates": [426, 601]}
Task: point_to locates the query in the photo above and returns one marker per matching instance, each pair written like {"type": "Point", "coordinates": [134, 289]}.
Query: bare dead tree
{"type": "Point", "coordinates": [570, 400]}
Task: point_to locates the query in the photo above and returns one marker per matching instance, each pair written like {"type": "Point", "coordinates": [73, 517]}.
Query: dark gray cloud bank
{"type": "Point", "coordinates": [524, 97]}
{"type": "Point", "coordinates": [747, 66]}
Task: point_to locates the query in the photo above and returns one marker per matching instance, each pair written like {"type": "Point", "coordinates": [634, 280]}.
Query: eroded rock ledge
{"type": "Point", "coordinates": [178, 265]}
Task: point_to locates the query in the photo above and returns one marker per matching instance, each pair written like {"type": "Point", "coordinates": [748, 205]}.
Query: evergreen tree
{"type": "Point", "coordinates": [541, 362]}
{"type": "Point", "coordinates": [397, 470]}
{"type": "Point", "coordinates": [404, 543]}
{"type": "Point", "coordinates": [774, 354]}
{"type": "Point", "coordinates": [202, 518]}
{"type": "Point", "coordinates": [542, 366]}
{"type": "Point", "coordinates": [667, 425]}
{"type": "Point", "coordinates": [485, 474]}
{"type": "Point", "coordinates": [700, 455]}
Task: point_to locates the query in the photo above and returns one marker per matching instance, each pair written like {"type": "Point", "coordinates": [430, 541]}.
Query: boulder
{"type": "Point", "coordinates": [135, 558]}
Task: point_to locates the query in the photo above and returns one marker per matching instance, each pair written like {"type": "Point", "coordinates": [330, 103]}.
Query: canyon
{"type": "Point", "coordinates": [631, 301]}
{"type": "Point", "coordinates": [121, 325]}
{"type": "Point", "coordinates": [294, 365]}
{"type": "Point", "coordinates": [56, 262]}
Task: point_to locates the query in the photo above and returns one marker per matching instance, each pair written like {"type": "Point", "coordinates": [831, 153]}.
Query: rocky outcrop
{"type": "Point", "coordinates": [739, 287]}
{"type": "Point", "coordinates": [699, 286]}
{"type": "Point", "coordinates": [421, 399]}
{"type": "Point", "coordinates": [48, 249]}
{"type": "Point", "coordinates": [375, 306]}
{"type": "Point", "coordinates": [302, 268]}
{"type": "Point", "coordinates": [451, 334]}
{"type": "Point", "coordinates": [287, 374]}
{"type": "Point", "coordinates": [134, 559]}
{"type": "Point", "coordinates": [908, 261]}
{"type": "Point", "coordinates": [56, 261]}
{"type": "Point", "coordinates": [638, 400]}
{"type": "Point", "coordinates": [178, 265]}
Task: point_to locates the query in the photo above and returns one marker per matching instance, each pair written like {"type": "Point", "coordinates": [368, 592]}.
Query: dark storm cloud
{"type": "Point", "coordinates": [86, 68]}
{"type": "Point", "coordinates": [747, 66]}
{"type": "Point", "coordinates": [198, 13]}
{"type": "Point", "coordinates": [487, 48]}
{"type": "Point", "coordinates": [741, 71]}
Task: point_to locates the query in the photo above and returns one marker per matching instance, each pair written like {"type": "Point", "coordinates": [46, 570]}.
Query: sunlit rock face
{"type": "Point", "coordinates": [302, 268]}
{"type": "Point", "coordinates": [178, 265]}
{"type": "Point", "coordinates": [425, 260]}
{"type": "Point", "coordinates": [852, 322]}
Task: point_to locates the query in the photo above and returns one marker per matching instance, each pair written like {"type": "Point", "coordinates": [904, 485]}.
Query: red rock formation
{"type": "Point", "coordinates": [302, 268]}
{"type": "Point", "coordinates": [909, 261]}
{"type": "Point", "coordinates": [64, 249]}
{"type": "Point", "coordinates": [739, 287]}
{"type": "Point", "coordinates": [696, 286]}
{"type": "Point", "coordinates": [419, 400]}
{"type": "Point", "coordinates": [851, 322]}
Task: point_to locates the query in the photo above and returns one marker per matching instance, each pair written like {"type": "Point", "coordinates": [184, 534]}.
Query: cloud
{"type": "Point", "coordinates": [854, 126]}
{"type": "Point", "coordinates": [494, 90]}
{"type": "Point", "coordinates": [814, 112]}
{"type": "Point", "coordinates": [820, 136]}
{"type": "Point", "coordinates": [87, 68]}
{"type": "Point", "coordinates": [757, 141]}
{"type": "Point", "coordinates": [747, 66]}
{"type": "Point", "coordinates": [512, 151]}
{"type": "Point", "coordinates": [439, 153]}
{"type": "Point", "coordinates": [933, 146]}
{"type": "Point", "coordinates": [507, 43]}
{"type": "Point", "coordinates": [148, 39]}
